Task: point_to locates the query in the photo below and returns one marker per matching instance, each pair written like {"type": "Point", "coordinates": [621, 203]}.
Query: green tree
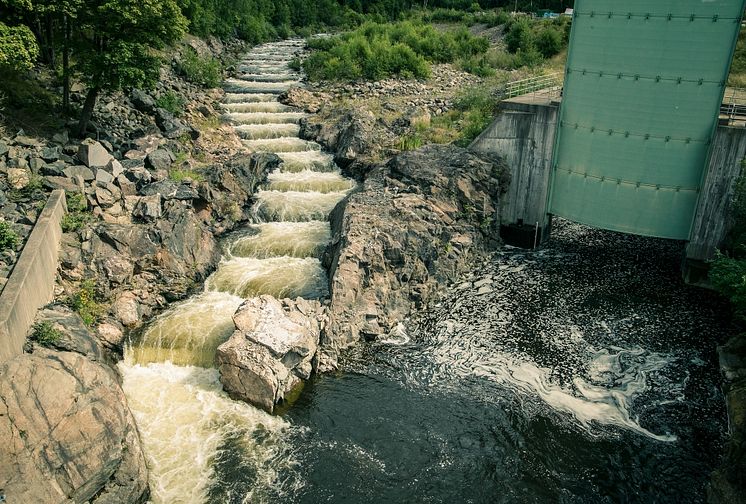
{"type": "Point", "coordinates": [118, 42]}
{"type": "Point", "coordinates": [549, 42]}
{"type": "Point", "coordinates": [18, 48]}
{"type": "Point", "coordinates": [519, 36]}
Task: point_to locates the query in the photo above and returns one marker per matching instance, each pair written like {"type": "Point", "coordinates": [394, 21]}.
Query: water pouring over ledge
{"type": "Point", "coordinates": [193, 435]}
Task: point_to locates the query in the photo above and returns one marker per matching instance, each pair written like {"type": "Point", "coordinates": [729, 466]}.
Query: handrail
{"type": "Point", "coordinates": [549, 82]}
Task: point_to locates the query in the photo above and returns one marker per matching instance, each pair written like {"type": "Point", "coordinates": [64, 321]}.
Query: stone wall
{"type": "Point", "coordinates": [31, 284]}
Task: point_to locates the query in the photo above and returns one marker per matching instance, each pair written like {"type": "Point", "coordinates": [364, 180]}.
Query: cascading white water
{"type": "Point", "coordinates": [185, 419]}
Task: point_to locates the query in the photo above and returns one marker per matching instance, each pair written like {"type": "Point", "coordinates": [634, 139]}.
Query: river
{"type": "Point", "coordinates": [581, 372]}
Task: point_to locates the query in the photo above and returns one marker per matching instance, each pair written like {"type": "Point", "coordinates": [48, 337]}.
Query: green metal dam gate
{"type": "Point", "coordinates": [643, 87]}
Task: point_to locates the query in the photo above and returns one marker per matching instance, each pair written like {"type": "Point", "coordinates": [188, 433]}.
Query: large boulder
{"type": "Point", "coordinates": [66, 432]}
{"type": "Point", "coordinates": [418, 222]}
{"type": "Point", "coordinates": [92, 154]}
{"type": "Point", "coordinates": [271, 350]}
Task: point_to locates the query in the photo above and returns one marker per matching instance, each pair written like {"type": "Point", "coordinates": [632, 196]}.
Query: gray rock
{"type": "Point", "coordinates": [93, 154]}
{"type": "Point", "coordinates": [148, 207]}
{"type": "Point", "coordinates": [126, 310]}
{"type": "Point", "coordinates": [64, 183]}
{"type": "Point", "coordinates": [18, 178]}
{"type": "Point", "coordinates": [55, 169]}
{"type": "Point", "coordinates": [271, 350]}
{"type": "Point", "coordinates": [26, 141]}
{"type": "Point", "coordinates": [3, 148]}
{"type": "Point", "coordinates": [142, 101]}
{"type": "Point", "coordinates": [107, 194]}
{"type": "Point", "coordinates": [67, 433]}
{"type": "Point", "coordinates": [115, 168]}
{"type": "Point", "coordinates": [160, 159]}
{"type": "Point", "coordinates": [74, 335]}
{"type": "Point", "coordinates": [61, 138]}
{"type": "Point", "coordinates": [83, 172]}
{"type": "Point", "coordinates": [104, 176]}
{"type": "Point", "coordinates": [50, 154]}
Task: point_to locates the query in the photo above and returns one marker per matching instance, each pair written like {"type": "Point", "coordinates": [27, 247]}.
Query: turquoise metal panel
{"type": "Point", "coordinates": [643, 87]}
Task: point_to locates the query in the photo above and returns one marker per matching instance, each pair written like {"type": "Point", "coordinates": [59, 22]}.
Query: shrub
{"type": "Point", "coordinates": [376, 51]}
{"type": "Point", "coordinates": [205, 71]}
{"type": "Point", "coordinates": [172, 102]}
{"type": "Point", "coordinates": [549, 42]}
{"type": "Point", "coordinates": [8, 237]}
{"type": "Point", "coordinates": [84, 302]}
{"type": "Point", "coordinates": [178, 175]}
{"type": "Point", "coordinates": [519, 36]}
{"type": "Point", "coordinates": [45, 334]}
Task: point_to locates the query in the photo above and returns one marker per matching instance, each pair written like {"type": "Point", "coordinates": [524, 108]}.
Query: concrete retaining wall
{"type": "Point", "coordinates": [523, 134]}
{"type": "Point", "coordinates": [712, 222]}
{"type": "Point", "coordinates": [31, 283]}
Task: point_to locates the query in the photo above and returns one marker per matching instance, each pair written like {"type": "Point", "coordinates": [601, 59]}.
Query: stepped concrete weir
{"type": "Point", "coordinates": [195, 345]}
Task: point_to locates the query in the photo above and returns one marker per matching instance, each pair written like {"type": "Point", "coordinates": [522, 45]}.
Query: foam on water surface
{"type": "Point", "coordinates": [282, 144]}
{"type": "Point", "coordinates": [266, 131]}
{"type": "Point", "coordinates": [265, 117]}
{"type": "Point", "coordinates": [190, 332]}
{"type": "Point", "coordinates": [281, 277]}
{"type": "Point", "coordinates": [309, 160]}
{"type": "Point", "coordinates": [295, 206]}
{"type": "Point", "coordinates": [293, 239]}
{"type": "Point", "coordinates": [307, 180]}
{"type": "Point", "coordinates": [184, 419]}
{"type": "Point", "coordinates": [269, 106]}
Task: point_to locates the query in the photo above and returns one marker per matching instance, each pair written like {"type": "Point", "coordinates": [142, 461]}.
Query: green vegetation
{"type": "Point", "coordinates": [377, 50]}
{"type": "Point", "coordinates": [728, 270]}
{"type": "Point", "coordinates": [45, 334]}
{"type": "Point", "coordinates": [737, 76]}
{"type": "Point", "coordinates": [84, 302]}
{"type": "Point", "coordinates": [8, 237]}
{"type": "Point", "coordinates": [77, 214]}
{"type": "Point", "coordinates": [204, 71]}
{"type": "Point", "coordinates": [18, 48]}
{"type": "Point", "coordinates": [108, 44]}
{"type": "Point", "coordinates": [171, 102]}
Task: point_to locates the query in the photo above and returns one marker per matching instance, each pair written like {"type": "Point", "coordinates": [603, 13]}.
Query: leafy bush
{"type": "Point", "coordinates": [45, 334]}
{"type": "Point", "coordinates": [84, 302]}
{"type": "Point", "coordinates": [519, 36]}
{"type": "Point", "coordinates": [549, 42]}
{"type": "Point", "coordinates": [205, 71]}
{"type": "Point", "coordinates": [172, 102]}
{"type": "Point", "coordinates": [8, 237]}
{"type": "Point", "coordinates": [377, 51]}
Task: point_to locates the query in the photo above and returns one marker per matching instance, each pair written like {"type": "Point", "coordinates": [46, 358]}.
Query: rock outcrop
{"type": "Point", "coordinates": [272, 349]}
{"type": "Point", "coordinates": [417, 223]}
{"type": "Point", "coordinates": [66, 432]}
{"type": "Point", "coordinates": [728, 483]}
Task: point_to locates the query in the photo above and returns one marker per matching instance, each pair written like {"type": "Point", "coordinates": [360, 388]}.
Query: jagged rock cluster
{"type": "Point", "coordinates": [418, 222]}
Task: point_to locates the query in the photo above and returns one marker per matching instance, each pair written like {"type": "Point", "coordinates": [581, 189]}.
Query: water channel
{"type": "Point", "coordinates": [582, 372]}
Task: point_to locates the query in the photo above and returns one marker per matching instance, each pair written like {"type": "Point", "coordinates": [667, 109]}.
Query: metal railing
{"type": "Point", "coordinates": [547, 85]}
{"type": "Point", "coordinates": [734, 104]}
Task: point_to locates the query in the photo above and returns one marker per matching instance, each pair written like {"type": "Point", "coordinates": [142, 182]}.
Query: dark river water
{"type": "Point", "coordinates": [583, 372]}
